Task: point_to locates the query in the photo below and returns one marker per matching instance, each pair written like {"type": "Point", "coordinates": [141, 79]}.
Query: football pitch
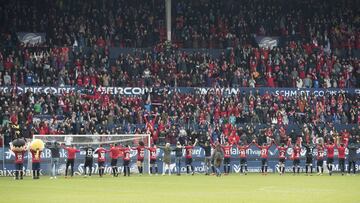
{"type": "Point", "coordinates": [198, 188]}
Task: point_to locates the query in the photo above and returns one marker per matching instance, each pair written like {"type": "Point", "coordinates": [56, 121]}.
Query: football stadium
{"type": "Point", "coordinates": [179, 101]}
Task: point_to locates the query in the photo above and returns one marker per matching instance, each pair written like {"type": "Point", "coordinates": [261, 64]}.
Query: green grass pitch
{"type": "Point", "coordinates": [198, 188]}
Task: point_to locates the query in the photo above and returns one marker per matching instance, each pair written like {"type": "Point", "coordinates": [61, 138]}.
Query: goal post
{"type": "Point", "coordinates": [105, 140]}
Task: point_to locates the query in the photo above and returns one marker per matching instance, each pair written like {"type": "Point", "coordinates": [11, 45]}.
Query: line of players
{"type": "Point", "coordinates": [264, 154]}
{"type": "Point", "coordinates": [115, 151]}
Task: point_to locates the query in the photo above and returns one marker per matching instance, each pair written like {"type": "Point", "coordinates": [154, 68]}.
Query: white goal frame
{"type": "Point", "coordinates": [103, 135]}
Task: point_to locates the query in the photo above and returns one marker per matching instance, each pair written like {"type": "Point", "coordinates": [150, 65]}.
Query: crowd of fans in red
{"type": "Point", "coordinates": [320, 51]}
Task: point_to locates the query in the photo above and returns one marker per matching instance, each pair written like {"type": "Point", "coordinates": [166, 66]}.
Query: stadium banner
{"type": "Point", "coordinates": [130, 91]}
{"type": "Point", "coordinates": [31, 37]}
{"type": "Point", "coordinates": [254, 161]}
{"type": "Point", "coordinates": [267, 41]}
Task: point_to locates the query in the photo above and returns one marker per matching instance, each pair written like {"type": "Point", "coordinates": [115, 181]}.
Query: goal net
{"type": "Point", "coordinates": [94, 141]}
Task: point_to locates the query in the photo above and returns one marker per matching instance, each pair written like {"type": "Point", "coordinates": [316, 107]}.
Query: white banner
{"type": "Point", "coordinates": [31, 38]}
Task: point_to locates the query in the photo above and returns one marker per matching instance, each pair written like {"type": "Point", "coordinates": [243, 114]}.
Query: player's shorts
{"type": "Point", "coordinates": [70, 162]}
{"type": "Point", "coordinates": [330, 160]}
{"type": "Point", "coordinates": [113, 162]}
{"type": "Point", "coordinates": [264, 161]}
{"type": "Point", "coordinates": [227, 160]}
{"type": "Point", "coordinates": [282, 160]}
{"type": "Point", "coordinates": [140, 160]}
{"type": "Point", "coordinates": [296, 162]}
{"type": "Point", "coordinates": [36, 166]}
{"type": "Point", "coordinates": [19, 166]}
{"type": "Point", "coordinates": [188, 161]}
{"type": "Point", "coordinates": [207, 160]}
{"type": "Point", "coordinates": [243, 161]}
{"type": "Point", "coordinates": [101, 164]}
{"type": "Point", "coordinates": [212, 160]}
{"type": "Point", "coordinates": [320, 162]}
{"type": "Point", "coordinates": [342, 161]}
{"type": "Point", "coordinates": [126, 162]}
{"type": "Point", "coordinates": [309, 160]}
{"type": "Point", "coordinates": [88, 163]}
{"type": "Point", "coordinates": [152, 161]}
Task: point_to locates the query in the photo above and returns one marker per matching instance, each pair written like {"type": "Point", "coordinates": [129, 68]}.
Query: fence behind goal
{"type": "Point", "coordinates": [106, 141]}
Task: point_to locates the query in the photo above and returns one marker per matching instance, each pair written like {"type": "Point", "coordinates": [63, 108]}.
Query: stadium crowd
{"type": "Point", "coordinates": [79, 37]}
{"type": "Point", "coordinates": [181, 117]}
{"type": "Point", "coordinates": [205, 23]}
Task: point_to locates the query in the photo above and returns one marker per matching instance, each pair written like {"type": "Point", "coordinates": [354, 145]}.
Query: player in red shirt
{"type": "Point", "coordinates": [35, 154]}
{"type": "Point", "coordinates": [330, 156]}
{"type": "Point", "coordinates": [341, 155]}
{"type": "Point", "coordinates": [101, 152]}
{"type": "Point", "coordinates": [140, 156]}
{"type": "Point", "coordinates": [243, 157]}
{"type": "Point", "coordinates": [296, 157]}
{"type": "Point", "coordinates": [152, 151]}
{"type": "Point", "coordinates": [19, 160]}
{"type": "Point", "coordinates": [264, 153]}
{"type": "Point", "coordinates": [282, 157]}
{"type": "Point", "coordinates": [227, 156]}
{"type": "Point", "coordinates": [126, 159]}
{"type": "Point", "coordinates": [71, 155]}
{"type": "Point", "coordinates": [188, 157]}
{"type": "Point", "coordinates": [114, 155]}
{"type": "Point", "coordinates": [320, 159]}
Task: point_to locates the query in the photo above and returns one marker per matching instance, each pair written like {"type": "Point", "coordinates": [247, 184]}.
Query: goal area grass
{"type": "Point", "coordinates": [197, 188]}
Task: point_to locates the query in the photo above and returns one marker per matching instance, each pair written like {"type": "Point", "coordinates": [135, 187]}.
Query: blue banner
{"type": "Point", "coordinates": [254, 161]}
{"type": "Point", "coordinates": [286, 92]}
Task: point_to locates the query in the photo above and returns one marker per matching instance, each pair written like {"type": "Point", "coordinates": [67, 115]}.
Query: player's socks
{"type": "Point", "coordinates": [156, 169]}
{"type": "Point", "coordinates": [322, 169]}
{"type": "Point", "coordinates": [213, 168]}
{"type": "Point", "coordinates": [266, 169]}
{"type": "Point", "coordinates": [298, 169]}
{"type": "Point", "coordinates": [16, 174]}
{"type": "Point", "coordinates": [38, 174]}
{"type": "Point", "coordinates": [22, 173]}
{"type": "Point", "coordinates": [128, 170]}
{"type": "Point", "coordinates": [293, 169]}
{"type": "Point", "coordinates": [311, 169]}
{"type": "Point", "coordinates": [283, 169]}
{"type": "Point", "coordinates": [34, 175]}
{"type": "Point", "coordinates": [241, 169]}
{"type": "Point", "coordinates": [246, 168]}
{"type": "Point", "coordinates": [262, 169]}
{"type": "Point", "coordinates": [113, 170]}
{"type": "Point", "coordinates": [228, 168]}
{"type": "Point", "coordinates": [192, 169]}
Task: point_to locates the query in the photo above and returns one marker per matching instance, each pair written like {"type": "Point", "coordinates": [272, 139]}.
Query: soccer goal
{"type": "Point", "coordinates": [106, 141]}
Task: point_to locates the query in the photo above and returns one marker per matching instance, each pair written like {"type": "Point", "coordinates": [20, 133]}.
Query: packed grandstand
{"type": "Point", "coordinates": [81, 48]}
